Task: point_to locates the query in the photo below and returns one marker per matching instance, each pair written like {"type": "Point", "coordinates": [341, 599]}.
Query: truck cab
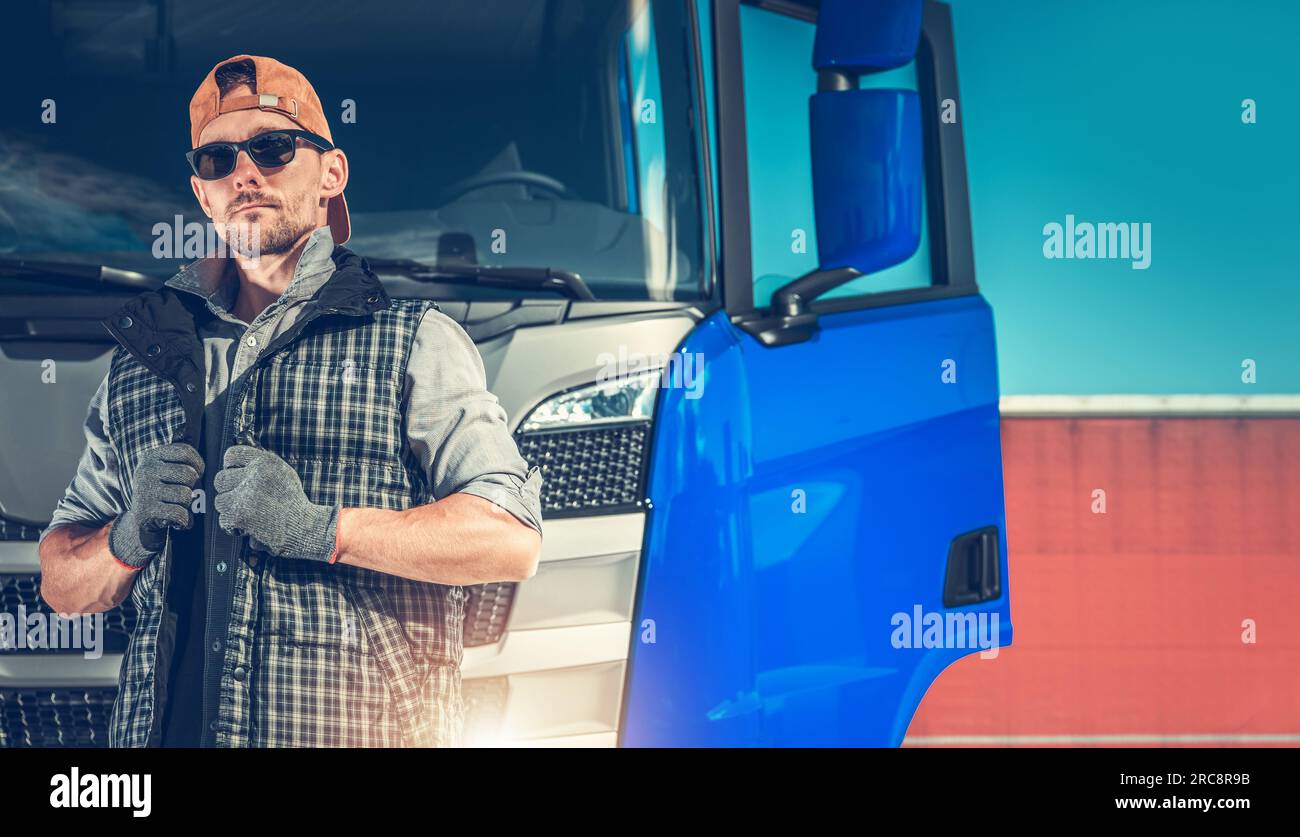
{"type": "Point", "coordinates": [716, 256]}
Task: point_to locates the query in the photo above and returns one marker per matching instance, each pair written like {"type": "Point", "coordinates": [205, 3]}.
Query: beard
{"type": "Point", "coordinates": [281, 234]}
{"type": "Point", "coordinates": [271, 235]}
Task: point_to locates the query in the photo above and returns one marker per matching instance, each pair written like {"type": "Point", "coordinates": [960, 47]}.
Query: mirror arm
{"type": "Point", "coordinates": [790, 321]}
{"type": "Point", "coordinates": [793, 299]}
{"type": "Point", "coordinates": [835, 81]}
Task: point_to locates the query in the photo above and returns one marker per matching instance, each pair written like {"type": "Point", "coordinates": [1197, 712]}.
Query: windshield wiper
{"type": "Point", "coordinates": [94, 273]}
{"type": "Point", "coordinates": [488, 275]}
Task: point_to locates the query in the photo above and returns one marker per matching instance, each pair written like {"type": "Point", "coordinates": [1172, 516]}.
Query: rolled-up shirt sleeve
{"type": "Point", "coordinates": [458, 430]}
{"type": "Point", "coordinates": [94, 496]}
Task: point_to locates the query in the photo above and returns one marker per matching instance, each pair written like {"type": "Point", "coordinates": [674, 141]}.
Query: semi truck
{"type": "Point", "coordinates": [716, 257]}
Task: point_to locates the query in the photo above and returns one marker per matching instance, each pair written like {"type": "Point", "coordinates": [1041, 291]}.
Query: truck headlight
{"type": "Point", "coordinates": [591, 444]}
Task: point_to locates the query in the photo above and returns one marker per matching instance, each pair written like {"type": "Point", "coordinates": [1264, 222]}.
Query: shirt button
{"type": "Point", "coordinates": [125, 322]}
{"type": "Point", "coordinates": [221, 566]}
{"type": "Point", "coordinates": [153, 349]}
{"type": "Point", "coordinates": [213, 726]}
{"type": "Point", "coordinates": [216, 646]}
{"type": "Point", "coordinates": [240, 672]}
{"type": "Point", "coordinates": [250, 340]}
{"type": "Point", "coordinates": [189, 386]}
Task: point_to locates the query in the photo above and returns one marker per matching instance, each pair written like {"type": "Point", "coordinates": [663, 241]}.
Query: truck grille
{"type": "Point", "coordinates": [55, 717]}
{"type": "Point", "coordinates": [24, 589]}
{"type": "Point", "coordinates": [486, 612]}
{"type": "Point", "coordinates": [11, 531]}
{"type": "Point", "coordinates": [589, 470]}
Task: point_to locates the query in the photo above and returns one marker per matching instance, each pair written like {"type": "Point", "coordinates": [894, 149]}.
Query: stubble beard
{"type": "Point", "coordinates": [284, 229]}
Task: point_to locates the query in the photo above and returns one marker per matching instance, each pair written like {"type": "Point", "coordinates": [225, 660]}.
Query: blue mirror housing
{"type": "Point", "coordinates": [867, 177]}
{"type": "Point", "coordinates": [866, 36]}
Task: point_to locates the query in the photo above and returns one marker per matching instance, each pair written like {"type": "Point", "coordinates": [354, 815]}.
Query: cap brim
{"type": "Point", "coordinates": [340, 223]}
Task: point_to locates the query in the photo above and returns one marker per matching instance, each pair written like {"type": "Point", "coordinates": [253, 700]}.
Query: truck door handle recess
{"type": "Point", "coordinates": [972, 568]}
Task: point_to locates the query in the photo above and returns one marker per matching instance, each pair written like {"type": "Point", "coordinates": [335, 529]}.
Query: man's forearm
{"type": "Point", "coordinates": [78, 573]}
{"type": "Point", "coordinates": [461, 539]}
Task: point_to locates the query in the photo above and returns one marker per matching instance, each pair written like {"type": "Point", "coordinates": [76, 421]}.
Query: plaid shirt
{"type": "Point", "coordinates": [375, 402]}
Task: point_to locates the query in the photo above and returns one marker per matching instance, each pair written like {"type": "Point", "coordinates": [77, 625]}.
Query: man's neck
{"type": "Point", "coordinates": [262, 282]}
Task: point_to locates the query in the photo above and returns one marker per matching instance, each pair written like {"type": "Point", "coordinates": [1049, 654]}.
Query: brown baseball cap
{"type": "Point", "coordinates": [278, 88]}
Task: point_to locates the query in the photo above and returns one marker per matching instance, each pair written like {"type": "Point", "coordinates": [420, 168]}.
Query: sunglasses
{"type": "Point", "coordinates": [268, 150]}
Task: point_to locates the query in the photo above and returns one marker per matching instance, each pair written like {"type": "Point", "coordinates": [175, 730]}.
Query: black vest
{"type": "Point", "coordinates": [315, 654]}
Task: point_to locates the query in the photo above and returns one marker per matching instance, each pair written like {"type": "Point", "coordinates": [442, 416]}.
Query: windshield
{"type": "Point", "coordinates": [508, 132]}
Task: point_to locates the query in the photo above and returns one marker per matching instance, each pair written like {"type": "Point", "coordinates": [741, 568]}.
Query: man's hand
{"type": "Point", "coordinates": [260, 495]}
{"type": "Point", "coordinates": [161, 488]}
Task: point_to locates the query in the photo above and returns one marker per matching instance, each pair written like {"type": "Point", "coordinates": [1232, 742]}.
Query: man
{"type": "Point", "coordinates": [359, 471]}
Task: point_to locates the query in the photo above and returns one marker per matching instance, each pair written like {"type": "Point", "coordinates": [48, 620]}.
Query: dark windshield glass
{"type": "Point", "coordinates": [541, 134]}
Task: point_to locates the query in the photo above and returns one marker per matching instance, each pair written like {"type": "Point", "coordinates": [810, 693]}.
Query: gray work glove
{"type": "Point", "coordinates": [161, 487]}
{"type": "Point", "coordinates": [260, 495]}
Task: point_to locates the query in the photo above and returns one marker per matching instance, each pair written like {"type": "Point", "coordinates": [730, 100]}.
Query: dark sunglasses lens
{"type": "Point", "coordinates": [214, 163]}
{"type": "Point", "coordinates": [273, 149]}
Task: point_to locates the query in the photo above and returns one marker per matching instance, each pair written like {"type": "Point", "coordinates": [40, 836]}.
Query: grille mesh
{"type": "Point", "coordinates": [24, 589]}
{"type": "Point", "coordinates": [11, 531]}
{"type": "Point", "coordinates": [486, 612]}
{"type": "Point", "coordinates": [55, 717]}
{"type": "Point", "coordinates": [589, 469]}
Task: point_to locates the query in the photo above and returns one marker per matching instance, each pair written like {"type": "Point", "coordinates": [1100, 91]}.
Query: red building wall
{"type": "Point", "coordinates": [1129, 624]}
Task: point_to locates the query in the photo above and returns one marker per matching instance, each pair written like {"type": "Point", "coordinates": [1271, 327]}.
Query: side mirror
{"type": "Point", "coordinates": [867, 177]}
{"type": "Point", "coordinates": [866, 144]}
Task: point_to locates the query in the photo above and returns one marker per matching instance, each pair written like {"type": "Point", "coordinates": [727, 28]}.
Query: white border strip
{"type": "Point", "coordinates": [1046, 406]}
{"type": "Point", "coordinates": [1006, 740]}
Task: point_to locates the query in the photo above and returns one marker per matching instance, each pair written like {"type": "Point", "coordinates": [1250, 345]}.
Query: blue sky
{"type": "Point", "coordinates": [1131, 111]}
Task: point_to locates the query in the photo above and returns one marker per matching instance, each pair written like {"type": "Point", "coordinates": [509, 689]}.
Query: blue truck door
{"type": "Point", "coordinates": [827, 529]}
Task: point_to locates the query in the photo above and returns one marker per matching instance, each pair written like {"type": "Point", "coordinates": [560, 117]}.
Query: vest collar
{"type": "Point", "coordinates": [159, 321]}
{"type": "Point", "coordinates": [159, 327]}
{"type": "Point", "coordinates": [215, 279]}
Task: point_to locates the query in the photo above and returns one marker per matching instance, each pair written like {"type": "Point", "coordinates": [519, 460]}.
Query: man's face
{"type": "Point", "coordinates": [272, 207]}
